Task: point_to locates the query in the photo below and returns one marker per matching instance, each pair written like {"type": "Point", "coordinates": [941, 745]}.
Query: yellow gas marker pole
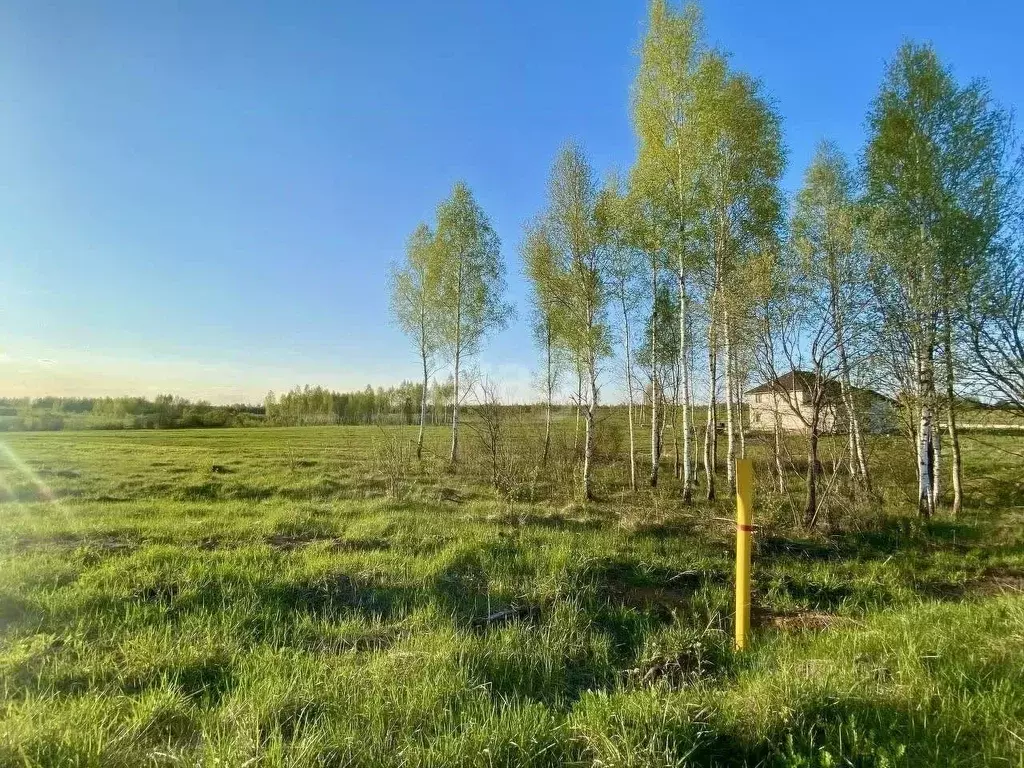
{"type": "Point", "coordinates": [744, 529]}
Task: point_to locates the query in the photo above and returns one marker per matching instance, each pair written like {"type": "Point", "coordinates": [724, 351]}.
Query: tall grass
{"type": "Point", "coordinates": [287, 609]}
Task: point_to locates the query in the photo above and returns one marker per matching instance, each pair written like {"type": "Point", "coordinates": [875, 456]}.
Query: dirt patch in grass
{"type": "Point", "coordinates": [674, 671]}
{"type": "Point", "coordinates": [652, 589]}
{"type": "Point", "coordinates": [449, 495]}
{"type": "Point", "coordinates": [999, 580]}
{"type": "Point", "coordinates": [648, 598]}
{"type": "Point", "coordinates": [798, 621]}
{"type": "Point", "coordinates": [289, 541]}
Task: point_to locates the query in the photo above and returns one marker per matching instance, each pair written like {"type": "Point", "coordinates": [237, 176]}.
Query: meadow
{"type": "Point", "coordinates": [312, 596]}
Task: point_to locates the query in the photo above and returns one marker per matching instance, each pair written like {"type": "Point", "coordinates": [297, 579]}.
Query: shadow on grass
{"type": "Point", "coordinates": [895, 535]}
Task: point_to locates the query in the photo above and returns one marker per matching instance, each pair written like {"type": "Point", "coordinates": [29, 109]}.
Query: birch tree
{"type": "Point", "coordinates": [644, 233]}
{"type": "Point", "coordinates": [582, 289]}
{"type": "Point", "coordinates": [825, 234]}
{"type": "Point", "coordinates": [932, 167]}
{"type": "Point", "coordinates": [471, 286]}
{"type": "Point", "coordinates": [624, 265]}
{"type": "Point", "coordinates": [742, 212]}
{"type": "Point", "coordinates": [659, 353]}
{"type": "Point", "coordinates": [540, 259]}
{"type": "Point", "coordinates": [414, 304]}
{"type": "Point", "coordinates": [668, 172]}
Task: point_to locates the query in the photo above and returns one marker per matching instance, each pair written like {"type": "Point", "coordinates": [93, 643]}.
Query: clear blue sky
{"type": "Point", "coordinates": [204, 197]}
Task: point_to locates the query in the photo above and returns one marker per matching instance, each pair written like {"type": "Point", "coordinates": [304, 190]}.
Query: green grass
{"type": "Point", "coordinates": [285, 610]}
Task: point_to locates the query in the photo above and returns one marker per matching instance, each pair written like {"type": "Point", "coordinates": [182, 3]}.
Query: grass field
{"type": "Point", "coordinates": [257, 598]}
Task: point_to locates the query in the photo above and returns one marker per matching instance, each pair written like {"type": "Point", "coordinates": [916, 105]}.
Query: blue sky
{"type": "Point", "coordinates": [204, 197]}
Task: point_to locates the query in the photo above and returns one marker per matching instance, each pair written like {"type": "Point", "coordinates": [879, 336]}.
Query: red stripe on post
{"type": "Point", "coordinates": [745, 528]}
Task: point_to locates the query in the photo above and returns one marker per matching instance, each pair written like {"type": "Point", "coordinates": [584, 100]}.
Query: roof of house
{"type": "Point", "coordinates": [790, 382]}
{"type": "Point", "coordinates": [804, 380]}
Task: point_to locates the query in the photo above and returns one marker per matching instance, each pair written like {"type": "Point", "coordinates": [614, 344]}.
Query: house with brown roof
{"type": "Point", "coordinates": [788, 400]}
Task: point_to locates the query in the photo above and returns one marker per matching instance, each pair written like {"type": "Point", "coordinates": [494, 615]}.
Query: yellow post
{"type": "Point", "coordinates": [744, 528]}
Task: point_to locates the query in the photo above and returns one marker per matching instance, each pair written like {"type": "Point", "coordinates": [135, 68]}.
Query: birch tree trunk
{"type": "Point", "coordinates": [423, 404]}
{"type": "Point", "coordinates": [855, 464]}
{"type": "Point", "coordinates": [925, 500]}
{"type": "Point", "coordinates": [550, 394]}
{"type": "Point", "coordinates": [579, 404]}
{"type": "Point", "coordinates": [655, 387]}
{"type": "Point", "coordinates": [588, 448]}
{"type": "Point", "coordinates": [741, 431]}
{"type": "Point", "coordinates": [629, 391]}
{"type": "Point", "coordinates": [858, 464]}
{"type": "Point", "coordinates": [684, 372]}
{"type": "Point", "coordinates": [954, 434]}
{"type": "Point", "coordinates": [677, 465]}
{"type": "Point", "coordinates": [858, 438]}
{"type": "Point", "coordinates": [710, 436]}
{"type": "Point", "coordinates": [730, 461]}
{"type": "Point", "coordinates": [811, 507]}
{"type": "Point", "coordinates": [778, 443]}
{"type": "Point", "coordinates": [692, 431]}
{"type": "Point", "coordinates": [454, 458]}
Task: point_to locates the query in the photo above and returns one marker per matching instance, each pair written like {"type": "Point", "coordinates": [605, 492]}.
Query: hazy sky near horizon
{"type": "Point", "coordinates": [204, 198]}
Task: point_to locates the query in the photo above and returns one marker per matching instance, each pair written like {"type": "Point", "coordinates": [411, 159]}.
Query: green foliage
{"type": "Point", "coordinates": [308, 405]}
{"type": "Point", "coordinates": [414, 293]}
{"type": "Point", "coordinates": [660, 347]}
{"type": "Point", "coordinates": [470, 274]}
{"type": "Point", "coordinates": [669, 177]}
{"type": "Point", "coordinates": [542, 266]}
{"type": "Point", "coordinates": [934, 175]}
{"type": "Point", "coordinates": [579, 277]}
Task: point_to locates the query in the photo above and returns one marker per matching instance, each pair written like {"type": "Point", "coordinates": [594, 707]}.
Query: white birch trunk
{"type": "Point", "coordinates": [684, 366]}
{"type": "Point", "coordinates": [926, 438]}
{"type": "Point", "coordinates": [629, 390]}
{"type": "Point", "coordinates": [454, 458]}
{"type": "Point", "coordinates": [588, 446]}
{"type": "Point", "coordinates": [655, 384]}
{"type": "Point", "coordinates": [423, 405]}
{"type": "Point", "coordinates": [710, 448]}
{"type": "Point", "coordinates": [741, 430]}
{"type": "Point", "coordinates": [677, 466]}
{"type": "Point", "coordinates": [579, 405]}
{"type": "Point", "coordinates": [730, 464]}
{"type": "Point", "coordinates": [858, 464]}
{"type": "Point", "coordinates": [954, 434]}
{"type": "Point", "coordinates": [924, 499]}
{"type": "Point", "coordinates": [550, 395]}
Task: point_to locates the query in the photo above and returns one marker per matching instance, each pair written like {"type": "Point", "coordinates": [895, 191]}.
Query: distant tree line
{"type": "Point", "coordinates": [301, 406]}
{"type": "Point", "coordinates": [304, 406]}
{"type": "Point", "coordinates": [163, 412]}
